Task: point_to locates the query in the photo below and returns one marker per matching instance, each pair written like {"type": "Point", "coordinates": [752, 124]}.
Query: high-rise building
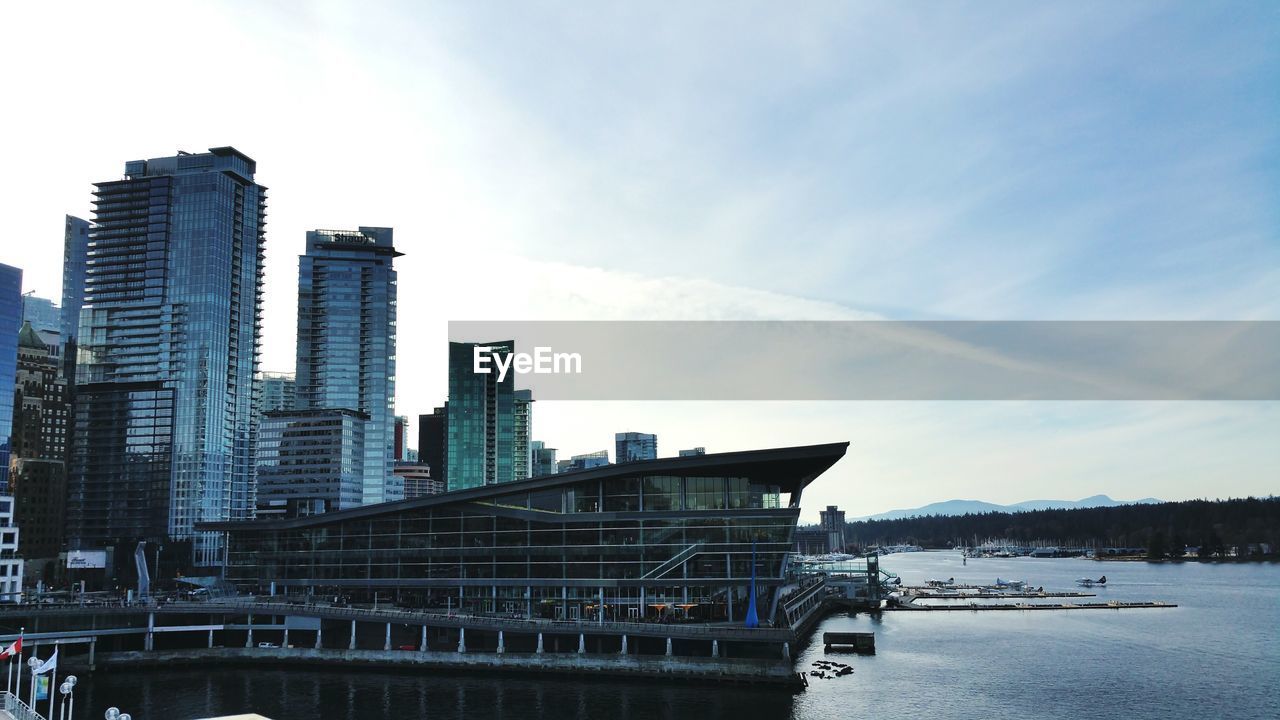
{"type": "Point", "coordinates": [431, 443]}
{"type": "Point", "coordinates": [417, 480]}
{"type": "Point", "coordinates": [276, 391]}
{"type": "Point", "coordinates": [37, 477]}
{"type": "Point", "coordinates": [398, 443]}
{"type": "Point", "coordinates": [521, 425]}
{"type": "Point", "coordinates": [347, 340]}
{"type": "Point", "coordinates": [75, 248]}
{"type": "Point", "coordinates": [310, 462]}
{"type": "Point", "coordinates": [693, 451]}
{"type": "Point", "coordinates": [10, 324]}
{"type": "Point", "coordinates": [634, 446]}
{"type": "Point", "coordinates": [585, 461]}
{"type": "Point", "coordinates": [832, 522]}
{"type": "Point", "coordinates": [543, 458]}
{"type": "Point", "coordinates": [481, 419]}
{"type": "Point", "coordinates": [10, 560]}
{"type": "Point", "coordinates": [42, 313]}
{"type": "Point", "coordinates": [167, 350]}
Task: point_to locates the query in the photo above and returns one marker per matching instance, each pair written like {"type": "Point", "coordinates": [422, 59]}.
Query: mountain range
{"type": "Point", "coordinates": [966, 507]}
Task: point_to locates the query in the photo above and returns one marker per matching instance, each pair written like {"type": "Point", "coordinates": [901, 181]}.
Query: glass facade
{"type": "Point", "coordinates": [521, 425]}
{"type": "Point", "coordinates": [10, 324]}
{"type": "Point", "coordinates": [644, 537]}
{"type": "Point", "coordinates": [167, 350]}
{"type": "Point", "coordinates": [633, 446]}
{"type": "Point", "coordinates": [480, 422]}
{"type": "Point", "coordinates": [346, 355]}
{"type": "Point", "coordinates": [75, 246]}
{"type": "Point", "coordinates": [310, 461]}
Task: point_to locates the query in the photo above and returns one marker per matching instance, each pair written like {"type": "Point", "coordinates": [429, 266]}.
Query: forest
{"type": "Point", "coordinates": [1163, 529]}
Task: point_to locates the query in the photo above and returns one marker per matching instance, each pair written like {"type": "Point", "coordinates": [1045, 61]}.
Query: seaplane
{"type": "Point", "coordinates": [1088, 582]}
{"type": "Point", "coordinates": [1010, 584]}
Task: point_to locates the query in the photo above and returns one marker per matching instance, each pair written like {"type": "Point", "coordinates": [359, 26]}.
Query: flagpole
{"type": "Point", "coordinates": [53, 681]}
{"type": "Point", "coordinates": [18, 684]}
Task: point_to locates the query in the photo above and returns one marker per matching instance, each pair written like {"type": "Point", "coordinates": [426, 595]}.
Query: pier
{"type": "Point", "coordinates": [911, 606]}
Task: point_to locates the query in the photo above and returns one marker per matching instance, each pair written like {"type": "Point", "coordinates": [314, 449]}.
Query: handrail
{"type": "Point", "coordinates": [18, 708]}
{"type": "Point", "coordinates": [675, 560]}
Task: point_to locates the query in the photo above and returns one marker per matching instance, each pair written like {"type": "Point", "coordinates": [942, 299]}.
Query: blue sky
{"type": "Point", "coordinates": [727, 160]}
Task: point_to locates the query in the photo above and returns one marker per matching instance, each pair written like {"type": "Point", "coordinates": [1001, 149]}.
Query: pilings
{"type": "Point", "coordinates": [668, 647]}
{"type": "Point", "coordinates": [501, 646]}
{"type": "Point", "coordinates": [150, 643]}
{"type": "Point", "coordinates": [423, 646]}
{"type": "Point", "coordinates": [319, 635]}
{"type": "Point", "coordinates": [715, 648]}
{"type": "Point", "coordinates": [462, 639]}
{"type": "Point", "coordinates": [386, 644]}
{"type": "Point", "coordinates": [624, 646]}
{"type": "Point", "coordinates": [539, 651]}
{"type": "Point", "coordinates": [582, 643]}
{"type": "Point", "coordinates": [353, 636]}
{"type": "Point", "coordinates": [248, 642]}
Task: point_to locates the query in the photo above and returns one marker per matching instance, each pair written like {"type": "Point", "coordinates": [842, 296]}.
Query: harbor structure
{"type": "Point", "coordinates": [167, 349]}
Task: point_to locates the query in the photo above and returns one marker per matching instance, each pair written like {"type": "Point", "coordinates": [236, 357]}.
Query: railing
{"type": "Point", "coordinates": [671, 564]}
{"type": "Point", "coordinates": [19, 709]}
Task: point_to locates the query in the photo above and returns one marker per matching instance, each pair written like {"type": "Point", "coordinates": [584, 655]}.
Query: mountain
{"type": "Point", "coordinates": [968, 507]}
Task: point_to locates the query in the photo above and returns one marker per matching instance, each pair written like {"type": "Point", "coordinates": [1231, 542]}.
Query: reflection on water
{"type": "Point", "coordinates": [1217, 655]}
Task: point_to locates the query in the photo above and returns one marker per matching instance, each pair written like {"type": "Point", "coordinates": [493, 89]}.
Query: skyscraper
{"type": "Point", "coordinates": [431, 443]}
{"type": "Point", "coordinates": [75, 247]}
{"type": "Point", "coordinates": [37, 477]}
{"type": "Point", "coordinates": [310, 462]}
{"type": "Point", "coordinates": [277, 391]}
{"type": "Point", "coordinates": [347, 340]}
{"type": "Point", "coordinates": [633, 446]}
{"type": "Point", "coordinates": [10, 323]}
{"type": "Point", "coordinates": [165, 412]}
{"type": "Point", "coordinates": [42, 313]}
{"type": "Point", "coordinates": [832, 522]}
{"type": "Point", "coordinates": [522, 411]}
{"type": "Point", "coordinates": [543, 459]}
{"type": "Point", "coordinates": [481, 419]}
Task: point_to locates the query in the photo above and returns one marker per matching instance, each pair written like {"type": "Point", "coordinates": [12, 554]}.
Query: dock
{"type": "Point", "coordinates": [1111, 605]}
{"type": "Point", "coordinates": [863, 643]}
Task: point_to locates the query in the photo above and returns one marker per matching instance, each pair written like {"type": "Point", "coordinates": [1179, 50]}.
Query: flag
{"type": "Point", "coordinates": [12, 650]}
{"type": "Point", "coordinates": [47, 665]}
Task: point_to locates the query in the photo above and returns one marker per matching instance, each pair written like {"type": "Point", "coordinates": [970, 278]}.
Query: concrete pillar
{"type": "Point", "coordinates": [582, 643]}
{"type": "Point", "coordinates": [151, 630]}
{"type": "Point", "coordinates": [210, 637]}
{"type": "Point", "coordinates": [93, 650]}
{"type": "Point", "coordinates": [501, 646]}
{"type": "Point", "coordinates": [386, 644]}
{"type": "Point", "coordinates": [786, 651]}
{"type": "Point", "coordinates": [715, 648]}
{"type": "Point", "coordinates": [624, 645]}
{"type": "Point", "coordinates": [668, 647]}
{"type": "Point", "coordinates": [539, 650]}
{"type": "Point", "coordinates": [462, 640]}
{"type": "Point", "coordinates": [248, 642]}
{"type": "Point", "coordinates": [285, 641]}
{"type": "Point", "coordinates": [353, 634]}
{"type": "Point", "coordinates": [319, 635]}
{"type": "Point", "coordinates": [423, 647]}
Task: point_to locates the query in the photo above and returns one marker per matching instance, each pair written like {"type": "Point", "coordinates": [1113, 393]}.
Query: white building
{"type": "Point", "coordinates": [10, 563]}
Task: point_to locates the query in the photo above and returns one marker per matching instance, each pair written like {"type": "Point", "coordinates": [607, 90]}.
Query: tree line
{"type": "Point", "coordinates": [1164, 529]}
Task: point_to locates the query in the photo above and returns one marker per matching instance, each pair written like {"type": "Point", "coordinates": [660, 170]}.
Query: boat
{"type": "Point", "coordinates": [1088, 582]}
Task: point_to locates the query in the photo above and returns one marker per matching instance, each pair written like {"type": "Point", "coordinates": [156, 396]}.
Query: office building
{"type": "Point", "coordinates": [634, 539]}
{"type": "Point", "coordinates": [11, 563]}
{"type": "Point", "coordinates": [432, 442]}
{"type": "Point", "coordinates": [543, 459]}
{"type": "Point", "coordinates": [693, 451]}
{"type": "Point", "coordinates": [584, 461]}
{"type": "Point", "coordinates": [277, 391]}
{"type": "Point", "coordinates": [399, 444]}
{"type": "Point", "coordinates": [346, 354]}
{"type": "Point", "coordinates": [43, 313]}
{"type": "Point", "coordinates": [521, 426]}
{"type": "Point", "coordinates": [37, 479]}
{"type": "Point", "coordinates": [832, 523]}
{"type": "Point", "coordinates": [417, 480]}
{"type": "Point", "coordinates": [480, 425]}
{"type": "Point", "coordinates": [310, 462]}
{"type": "Point", "coordinates": [167, 351]}
{"type": "Point", "coordinates": [634, 446]}
{"type": "Point", "coordinates": [75, 249]}
{"type": "Point", "coordinates": [10, 324]}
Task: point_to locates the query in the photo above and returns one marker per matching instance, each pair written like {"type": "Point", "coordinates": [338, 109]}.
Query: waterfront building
{"type": "Point", "coordinates": [10, 324]}
{"type": "Point", "coordinates": [167, 349]}
{"type": "Point", "coordinates": [522, 420]}
{"type": "Point", "coordinates": [674, 536]}
{"type": "Point", "coordinates": [480, 425]}
{"type": "Point", "coordinates": [37, 478]}
{"type": "Point", "coordinates": [417, 480]}
{"type": "Point", "coordinates": [832, 523]}
{"type": "Point", "coordinates": [584, 461]}
{"type": "Point", "coordinates": [543, 459]}
{"type": "Point", "coordinates": [432, 442]}
{"type": "Point", "coordinates": [693, 451]}
{"type": "Point", "coordinates": [311, 461]}
{"type": "Point", "coordinates": [11, 564]}
{"type": "Point", "coordinates": [75, 249]}
{"type": "Point", "coordinates": [633, 446]}
{"type": "Point", "coordinates": [277, 391]}
{"type": "Point", "coordinates": [43, 313]}
{"type": "Point", "coordinates": [346, 353]}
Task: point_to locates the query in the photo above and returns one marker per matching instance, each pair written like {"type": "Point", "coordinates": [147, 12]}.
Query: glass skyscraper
{"type": "Point", "coordinates": [522, 409]}
{"type": "Point", "coordinates": [347, 341]}
{"type": "Point", "coordinates": [166, 413]}
{"type": "Point", "coordinates": [10, 323]}
{"type": "Point", "coordinates": [480, 425]}
{"type": "Point", "coordinates": [633, 446]}
{"type": "Point", "coordinates": [75, 246]}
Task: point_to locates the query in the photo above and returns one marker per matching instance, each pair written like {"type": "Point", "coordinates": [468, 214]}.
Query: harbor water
{"type": "Point", "coordinates": [1216, 655]}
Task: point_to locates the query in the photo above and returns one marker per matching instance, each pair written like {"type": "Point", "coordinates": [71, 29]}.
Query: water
{"type": "Point", "coordinates": [1217, 655]}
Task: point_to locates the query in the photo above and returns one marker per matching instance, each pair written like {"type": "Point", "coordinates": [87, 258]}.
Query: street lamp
{"type": "Point", "coordinates": [115, 714]}
{"type": "Point", "coordinates": [67, 687]}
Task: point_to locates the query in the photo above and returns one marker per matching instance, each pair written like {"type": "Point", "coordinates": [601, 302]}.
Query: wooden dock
{"type": "Point", "coordinates": [996, 595]}
{"type": "Point", "coordinates": [1112, 605]}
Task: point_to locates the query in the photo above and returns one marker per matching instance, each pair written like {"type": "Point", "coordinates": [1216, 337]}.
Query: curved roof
{"type": "Point", "coordinates": [790, 468]}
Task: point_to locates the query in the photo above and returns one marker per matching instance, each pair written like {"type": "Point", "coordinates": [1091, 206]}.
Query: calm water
{"type": "Point", "coordinates": [1217, 655]}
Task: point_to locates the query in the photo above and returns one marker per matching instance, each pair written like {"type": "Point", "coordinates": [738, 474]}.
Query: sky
{"type": "Point", "coordinates": [977, 161]}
